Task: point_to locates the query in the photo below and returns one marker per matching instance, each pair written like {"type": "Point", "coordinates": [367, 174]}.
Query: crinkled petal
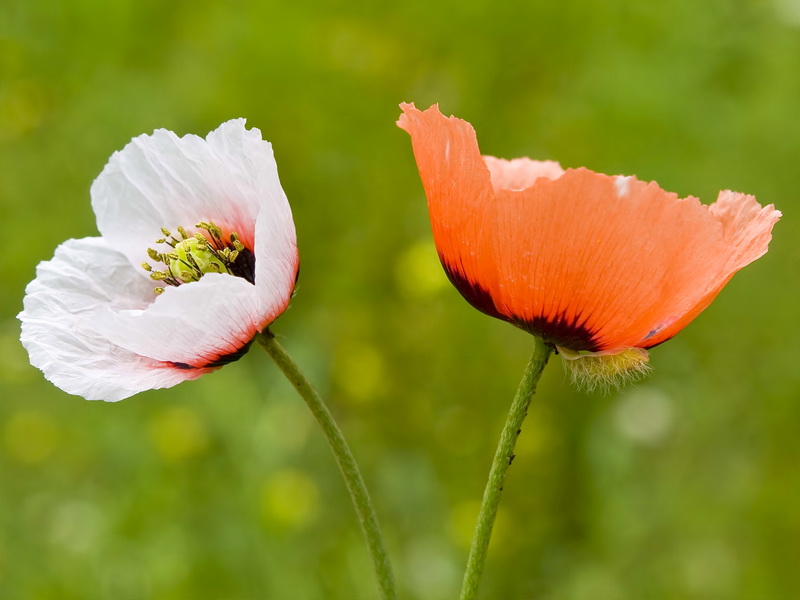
{"type": "Point", "coordinates": [589, 261]}
{"type": "Point", "coordinates": [277, 257]}
{"type": "Point", "coordinates": [746, 233]}
{"type": "Point", "coordinates": [615, 258]}
{"type": "Point", "coordinates": [161, 180]}
{"type": "Point", "coordinates": [460, 198]}
{"type": "Point", "coordinates": [206, 323]}
{"type": "Point", "coordinates": [84, 277]}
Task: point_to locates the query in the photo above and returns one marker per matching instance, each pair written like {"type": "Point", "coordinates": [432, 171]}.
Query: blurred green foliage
{"type": "Point", "coordinates": [684, 486]}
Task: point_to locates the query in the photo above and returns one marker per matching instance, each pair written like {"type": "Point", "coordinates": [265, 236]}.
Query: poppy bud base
{"type": "Point", "coordinates": [592, 371]}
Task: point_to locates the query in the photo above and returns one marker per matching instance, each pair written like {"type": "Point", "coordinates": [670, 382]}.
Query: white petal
{"type": "Point", "coordinates": [277, 258]}
{"type": "Point", "coordinates": [161, 180]}
{"type": "Point", "coordinates": [83, 278]}
{"type": "Point", "coordinates": [520, 173]}
{"type": "Point", "coordinates": [196, 325]}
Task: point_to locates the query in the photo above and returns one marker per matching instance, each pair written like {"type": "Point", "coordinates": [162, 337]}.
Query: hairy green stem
{"type": "Point", "coordinates": [502, 461]}
{"type": "Point", "coordinates": [344, 458]}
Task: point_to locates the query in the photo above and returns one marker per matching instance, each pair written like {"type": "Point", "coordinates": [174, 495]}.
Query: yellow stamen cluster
{"type": "Point", "coordinates": [192, 256]}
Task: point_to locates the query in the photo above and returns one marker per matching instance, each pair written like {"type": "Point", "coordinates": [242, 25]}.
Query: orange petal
{"type": "Point", "coordinates": [621, 258]}
{"type": "Point", "coordinates": [586, 260]}
{"type": "Point", "coordinates": [459, 190]}
{"type": "Point", "coordinates": [746, 231]}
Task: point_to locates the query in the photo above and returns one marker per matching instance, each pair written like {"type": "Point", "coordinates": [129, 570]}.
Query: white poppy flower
{"type": "Point", "coordinates": [197, 254]}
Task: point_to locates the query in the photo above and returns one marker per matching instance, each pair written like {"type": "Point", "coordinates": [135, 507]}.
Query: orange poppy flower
{"type": "Point", "coordinates": [592, 263]}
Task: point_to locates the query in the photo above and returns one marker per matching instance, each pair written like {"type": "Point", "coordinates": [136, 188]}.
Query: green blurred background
{"type": "Point", "coordinates": [685, 486]}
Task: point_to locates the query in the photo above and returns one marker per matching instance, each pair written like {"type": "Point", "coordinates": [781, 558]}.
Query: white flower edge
{"type": "Point", "coordinates": [162, 180]}
{"type": "Point", "coordinates": [91, 321]}
{"type": "Point", "coordinates": [84, 277]}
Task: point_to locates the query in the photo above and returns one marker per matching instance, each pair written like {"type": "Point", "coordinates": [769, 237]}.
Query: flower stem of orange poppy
{"type": "Point", "coordinates": [502, 461]}
{"type": "Point", "coordinates": [344, 458]}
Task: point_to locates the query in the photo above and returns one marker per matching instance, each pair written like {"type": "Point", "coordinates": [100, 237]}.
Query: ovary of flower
{"type": "Point", "coordinates": [192, 259]}
{"type": "Point", "coordinates": [91, 321]}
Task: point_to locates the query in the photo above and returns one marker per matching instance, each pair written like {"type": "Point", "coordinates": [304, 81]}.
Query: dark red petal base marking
{"type": "Point", "coordinates": [472, 292]}
{"type": "Point", "coordinates": [558, 331]}
{"type": "Point", "coordinates": [561, 332]}
{"type": "Point", "coordinates": [217, 362]}
{"type": "Point", "coordinates": [245, 265]}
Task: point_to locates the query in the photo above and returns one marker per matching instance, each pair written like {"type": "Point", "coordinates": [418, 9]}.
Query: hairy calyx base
{"type": "Point", "coordinates": [597, 370]}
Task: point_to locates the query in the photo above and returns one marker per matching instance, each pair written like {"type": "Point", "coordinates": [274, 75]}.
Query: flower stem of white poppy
{"type": "Point", "coordinates": [347, 463]}
{"type": "Point", "coordinates": [503, 457]}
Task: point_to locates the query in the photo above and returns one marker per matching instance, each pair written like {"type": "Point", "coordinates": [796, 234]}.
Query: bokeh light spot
{"type": "Point", "coordinates": [76, 526]}
{"type": "Point", "coordinates": [462, 525]}
{"type": "Point", "coordinates": [644, 415]}
{"type": "Point", "coordinates": [462, 522]}
{"type": "Point", "coordinates": [788, 11]}
{"type": "Point", "coordinates": [271, 432]}
{"type": "Point", "coordinates": [31, 437]}
{"type": "Point", "coordinates": [709, 568]}
{"type": "Point", "coordinates": [360, 371]}
{"type": "Point", "coordinates": [289, 498]}
{"type": "Point", "coordinates": [22, 108]}
{"type": "Point", "coordinates": [15, 366]}
{"type": "Point", "coordinates": [537, 435]}
{"type": "Point", "coordinates": [418, 271]}
{"type": "Point", "coordinates": [178, 434]}
{"type": "Point", "coordinates": [592, 581]}
{"type": "Point", "coordinates": [432, 570]}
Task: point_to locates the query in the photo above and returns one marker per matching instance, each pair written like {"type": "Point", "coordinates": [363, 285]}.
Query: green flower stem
{"type": "Point", "coordinates": [502, 461]}
{"type": "Point", "coordinates": [344, 458]}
